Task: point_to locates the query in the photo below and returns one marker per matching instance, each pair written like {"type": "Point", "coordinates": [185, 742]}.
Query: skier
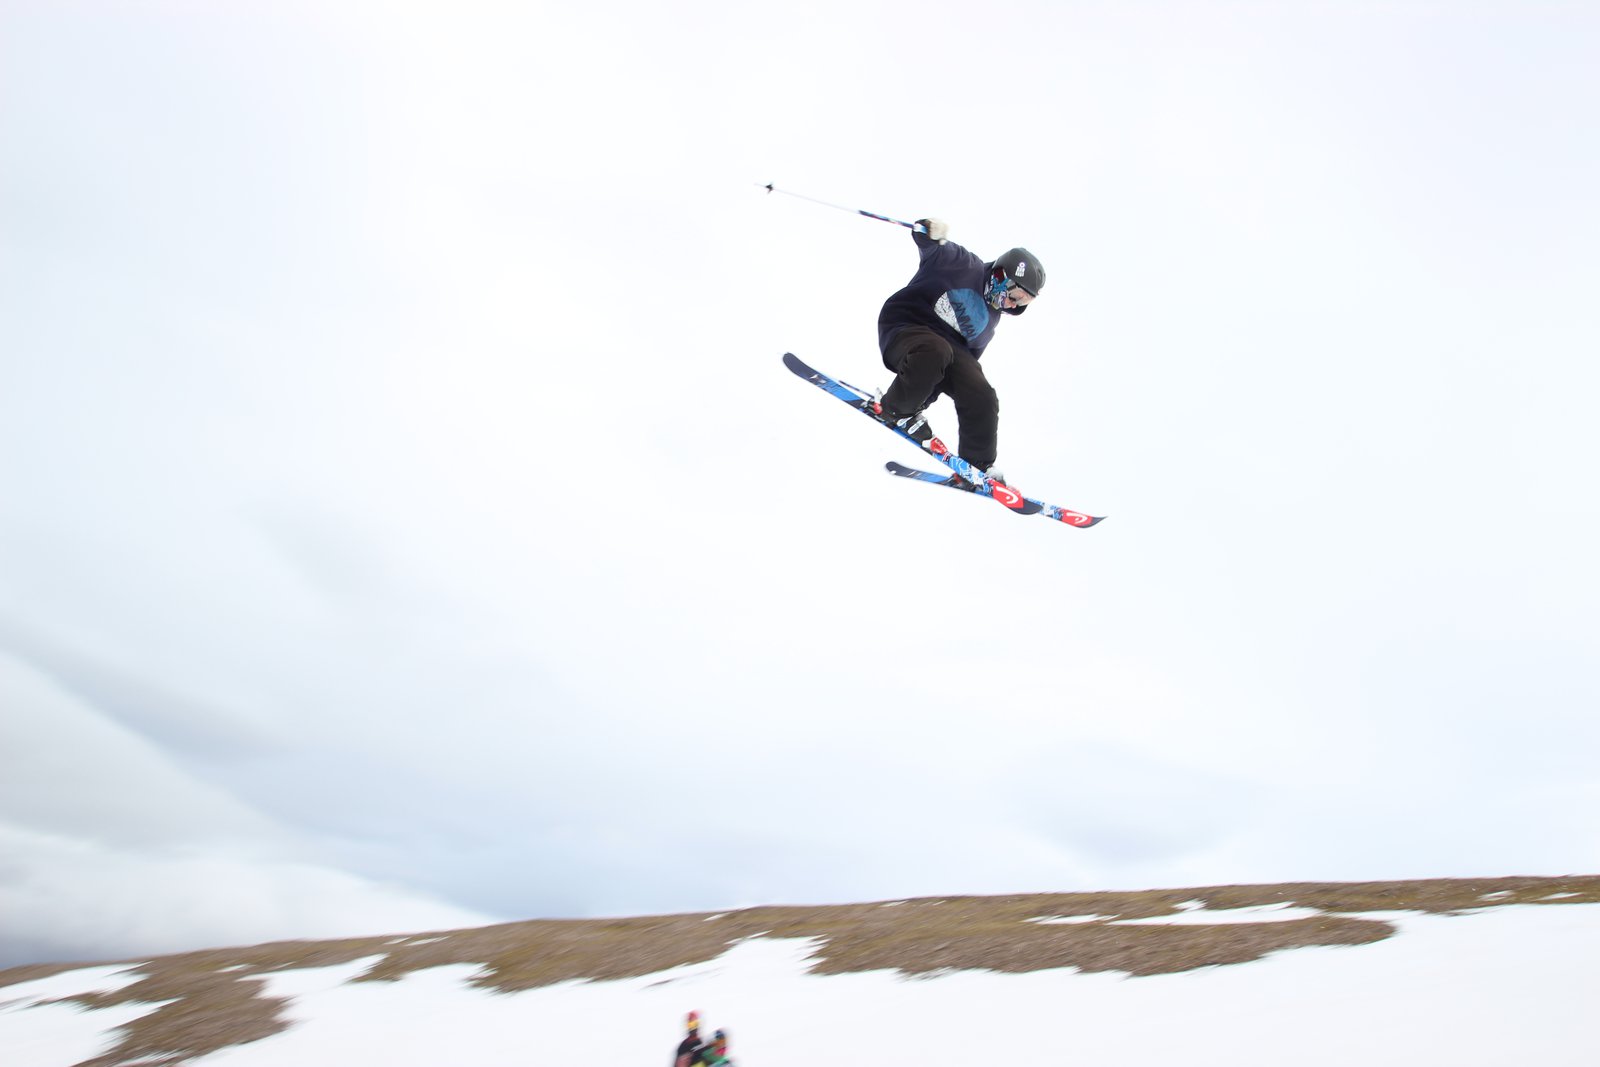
{"type": "Point", "coordinates": [717, 1056]}
{"type": "Point", "coordinates": [933, 331]}
{"type": "Point", "coordinates": [691, 1051]}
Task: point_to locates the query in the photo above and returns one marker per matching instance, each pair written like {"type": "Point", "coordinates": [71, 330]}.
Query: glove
{"type": "Point", "coordinates": [938, 229]}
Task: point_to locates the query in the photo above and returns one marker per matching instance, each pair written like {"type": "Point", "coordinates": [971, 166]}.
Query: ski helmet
{"type": "Point", "coordinates": [1021, 267]}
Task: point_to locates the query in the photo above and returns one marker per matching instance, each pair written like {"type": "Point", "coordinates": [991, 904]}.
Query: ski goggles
{"type": "Point", "coordinates": [1002, 288]}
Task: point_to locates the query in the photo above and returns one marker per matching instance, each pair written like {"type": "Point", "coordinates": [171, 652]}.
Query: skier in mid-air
{"type": "Point", "coordinates": [931, 334]}
{"type": "Point", "coordinates": [933, 331]}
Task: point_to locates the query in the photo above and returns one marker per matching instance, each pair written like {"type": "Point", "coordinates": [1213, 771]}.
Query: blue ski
{"type": "Point", "coordinates": [1049, 511]}
{"type": "Point", "coordinates": [996, 491]}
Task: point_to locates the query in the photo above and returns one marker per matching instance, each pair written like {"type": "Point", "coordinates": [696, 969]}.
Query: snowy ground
{"type": "Point", "coordinates": [1506, 986]}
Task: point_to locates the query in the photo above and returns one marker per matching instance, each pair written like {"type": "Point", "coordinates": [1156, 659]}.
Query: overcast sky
{"type": "Point", "coordinates": [406, 521]}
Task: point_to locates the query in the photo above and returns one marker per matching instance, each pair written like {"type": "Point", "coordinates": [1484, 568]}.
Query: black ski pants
{"type": "Point", "coordinates": [926, 364]}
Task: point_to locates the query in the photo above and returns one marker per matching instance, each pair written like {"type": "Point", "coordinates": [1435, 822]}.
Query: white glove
{"type": "Point", "coordinates": [938, 229]}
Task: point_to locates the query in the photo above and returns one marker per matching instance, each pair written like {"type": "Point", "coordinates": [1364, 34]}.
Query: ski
{"type": "Point", "coordinates": [1049, 511]}
{"type": "Point", "coordinates": [1001, 494]}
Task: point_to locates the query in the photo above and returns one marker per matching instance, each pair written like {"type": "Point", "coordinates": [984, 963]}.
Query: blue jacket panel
{"type": "Point", "coordinates": [946, 295]}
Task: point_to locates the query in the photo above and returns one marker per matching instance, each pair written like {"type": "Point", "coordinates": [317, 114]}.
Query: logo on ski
{"type": "Point", "coordinates": [1005, 494]}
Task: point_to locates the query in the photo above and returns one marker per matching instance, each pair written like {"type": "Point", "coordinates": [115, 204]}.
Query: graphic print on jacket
{"type": "Point", "coordinates": [945, 296]}
{"type": "Point", "coordinates": [964, 310]}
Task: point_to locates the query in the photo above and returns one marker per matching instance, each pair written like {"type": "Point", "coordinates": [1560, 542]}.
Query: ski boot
{"type": "Point", "coordinates": [993, 474]}
{"type": "Point", "coordinates": [914, 425]}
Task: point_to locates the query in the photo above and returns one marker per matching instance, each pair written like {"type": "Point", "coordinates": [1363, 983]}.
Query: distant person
{"type": "Point", "coordinates": [718, 1054]}
{"type": "Point", "coordinates": [691, 1050]}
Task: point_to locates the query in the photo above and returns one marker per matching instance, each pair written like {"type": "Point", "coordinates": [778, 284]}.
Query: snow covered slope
{"type": "Point", "coordinates": [1508, 982]}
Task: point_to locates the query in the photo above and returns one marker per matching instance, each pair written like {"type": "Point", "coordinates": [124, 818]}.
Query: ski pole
{"type": "Point", "coordinates": [913, 226]}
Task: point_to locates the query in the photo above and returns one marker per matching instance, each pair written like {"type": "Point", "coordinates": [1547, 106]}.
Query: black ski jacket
{"type": "Point", "coordinates": [946, 295]}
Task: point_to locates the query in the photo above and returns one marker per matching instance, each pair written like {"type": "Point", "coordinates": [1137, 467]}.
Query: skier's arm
{"type": "Point", "coordinates": [932, 236]}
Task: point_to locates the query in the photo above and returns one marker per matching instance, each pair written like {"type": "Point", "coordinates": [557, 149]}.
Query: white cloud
{"type": "Point", "coordinates": [112, 849]}
{"type": "Point", "coordinates": [75, 897]}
